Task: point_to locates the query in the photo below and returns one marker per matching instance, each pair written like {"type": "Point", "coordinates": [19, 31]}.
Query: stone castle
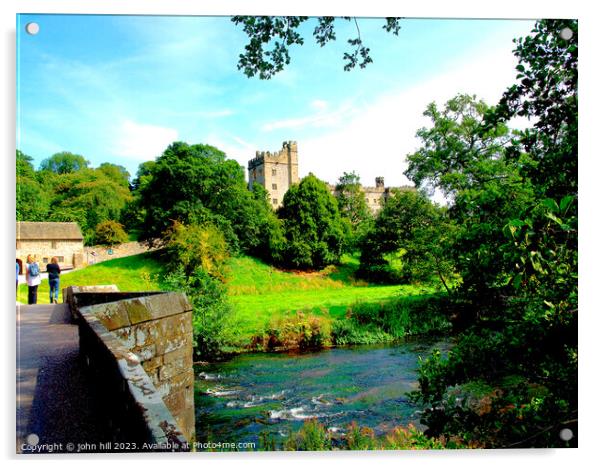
{"type": "Point", "coordinates": [277, 171]}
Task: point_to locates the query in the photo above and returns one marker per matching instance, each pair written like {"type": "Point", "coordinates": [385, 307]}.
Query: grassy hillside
{"type": "Point", "coordinates": [258, 292]}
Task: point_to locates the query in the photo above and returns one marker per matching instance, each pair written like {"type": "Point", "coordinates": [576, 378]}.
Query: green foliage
{"type": "Point", "coordinates": [32, 201]}
{"type": "Point", "coordinates": [196, 184]}
{"type": "Point", "coordinates": [282, 32]}
{"type": "Point", "coordinates": [409, 241]}
{"type": "Point", "coordinates": [349, 332]}
{"type": "Point", "coordinates": [87, 197]}
{"type": "Point", "coordinates": [66, 190]}
{"type": "Point", "coordinates": [313, 228]}
{"type": "Point", "coordinates": [301, 331]}
{"type": "Point", "coordinates": [197, 246]}
{"type": "Point", "coordinates": [64, 163]}
{"type": "Point", "coordinates": [110, 232]}
{"type": "Point", "coordinates": [511, 381]}
{"type": "Point", "coordinates": [116, 172]}
{"type": "Point", "coordinates": [353, 207]}
{"type": "Point", "coordinates": [312, 436]}
{"type": "Point", "coordinates": [212, 314]}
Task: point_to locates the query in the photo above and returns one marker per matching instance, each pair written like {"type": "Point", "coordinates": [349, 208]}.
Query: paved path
{"type": "Point", "coordinates": [55, 401]}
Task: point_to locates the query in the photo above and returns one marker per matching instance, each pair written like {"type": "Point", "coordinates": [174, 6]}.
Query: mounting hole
{"type": "Point", "coordinates": [566, 33]}
{"type": "Point", "coordinates": [566, 434]}
{"type": "Point", "coordinates": [32, 28]}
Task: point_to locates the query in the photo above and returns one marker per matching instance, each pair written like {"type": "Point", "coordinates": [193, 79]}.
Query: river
{"type": "Point", "coordinates": [274, 393]}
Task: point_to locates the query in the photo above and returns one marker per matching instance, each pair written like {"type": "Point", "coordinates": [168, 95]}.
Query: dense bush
{"type": "Point", "coordinates": [314, 436]}
{"type": "Point", "coordinates": [211, 315]}
{"type": "Point", "coordinates": [110, 233]}
{"type": "Point", "coordinates": [408, 242]}
{"type": "Point", "coordinates": [301, 331]}
{"type": "Point", "coordinates": [313, 230]}
{"type": "Point", "coordinates": [197, 246]}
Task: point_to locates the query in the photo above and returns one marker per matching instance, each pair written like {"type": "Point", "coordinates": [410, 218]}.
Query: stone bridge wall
{"type": "Point", "coordinates": [140, 344]}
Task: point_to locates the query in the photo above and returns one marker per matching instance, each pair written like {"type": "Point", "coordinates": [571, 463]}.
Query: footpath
{"type": "Point", "coordinates": [56, 408]}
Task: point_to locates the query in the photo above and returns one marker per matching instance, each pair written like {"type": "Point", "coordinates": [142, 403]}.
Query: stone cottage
{"type": "Point", "coordinates": [46, 240]}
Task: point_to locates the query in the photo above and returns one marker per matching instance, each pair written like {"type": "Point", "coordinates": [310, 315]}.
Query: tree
{"type": "Point", "coordinates": [32, 201]}
{"type": "Point", "coordinates": [64, 163]}
{"type": "Point", "coordinates": [352, 204]}
{"type": "Point", "coordinates": [409, 241]}
{"type": "Point", "coordinates": [196, 184]}
{"type": "Point", "coordinates": [469, 165]}
{"type": "Point", "coordinates": [517, 210]}
{"type": "Point", "coordinates": [313, 228]}
{"type": "Point", "coordinates": [283, 32]}
{"type": "Point", "coordinates": [116, 172]}
{"type": "Point", "coordinates": [110, 232]}
{"type": "Point", "coordinates": [88, 197]}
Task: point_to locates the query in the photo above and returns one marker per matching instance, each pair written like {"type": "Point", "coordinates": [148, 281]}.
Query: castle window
{"type": "Point", "coordinates": [273, 172]}
{"type": "Point", "coordinates": [45, 260]}
{"type": "Point", "coordinates": [274, 201]}
{"type": "Point", "coordinates": [60, 259]}
{"type": "Point", "coordinates": [274, 187]}
{"type": "Point", "coordinates": [375, 201]}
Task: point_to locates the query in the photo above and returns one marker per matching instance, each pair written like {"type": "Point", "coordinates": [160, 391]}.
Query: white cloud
{"type": "Point", "coordinates": [319, 119]}
{"type": "Point", "coordinates": [142, 141]}
{"type": "Point", "coordinates": [319, 105]}
{"type": "Point", "coordinates": [376, 140]}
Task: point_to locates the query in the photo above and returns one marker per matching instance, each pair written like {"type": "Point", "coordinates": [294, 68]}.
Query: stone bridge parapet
{"type": "Point", "coordinates": [139, 346]}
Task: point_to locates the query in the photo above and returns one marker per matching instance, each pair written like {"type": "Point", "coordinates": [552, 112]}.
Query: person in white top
{"type": "Point", "coordinates": [32, 276]}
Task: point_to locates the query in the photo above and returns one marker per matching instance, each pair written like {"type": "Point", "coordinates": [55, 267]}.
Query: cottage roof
{"type": "Point", "coordinates": [48, 231]}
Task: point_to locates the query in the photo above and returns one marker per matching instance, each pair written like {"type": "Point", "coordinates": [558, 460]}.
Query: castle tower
{"type": "Point", "coordinates": [276, 172]}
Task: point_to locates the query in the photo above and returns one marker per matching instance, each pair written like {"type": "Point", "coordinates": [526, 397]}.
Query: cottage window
{"type": "Point", "coordinates": [61, 259]}
{"type": "Point", "coordinates": [53, 244]}
{"type": "Point", "coordinates": [45, 260]}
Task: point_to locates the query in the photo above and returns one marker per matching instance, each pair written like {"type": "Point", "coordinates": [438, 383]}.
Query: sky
{"type": "Point", "coordinates": [120, 89]}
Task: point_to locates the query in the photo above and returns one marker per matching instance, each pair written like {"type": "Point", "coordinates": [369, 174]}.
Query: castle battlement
{"type": "Point", "coordinates": [289, 150]}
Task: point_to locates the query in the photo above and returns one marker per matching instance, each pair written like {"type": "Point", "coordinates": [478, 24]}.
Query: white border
{"type": "Point", "coordinates": [589, 169]}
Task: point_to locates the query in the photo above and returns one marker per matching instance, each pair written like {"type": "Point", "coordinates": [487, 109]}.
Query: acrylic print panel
{"type": "Point", "coordinates": [290, 233]}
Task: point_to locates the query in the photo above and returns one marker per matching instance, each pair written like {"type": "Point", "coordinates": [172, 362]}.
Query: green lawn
{"type": "Point", "coordinates": [258, 292]}
{"type": "Point", "coordinates": [135, 273]}
{"type": "Point", "coordinates": [261, 293]}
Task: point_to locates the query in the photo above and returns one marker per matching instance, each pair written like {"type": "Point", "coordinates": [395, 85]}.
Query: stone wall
{"type": "Point", "coordinates": [152, 330]}
{"type": "Point", "coordinates": [44, 250]}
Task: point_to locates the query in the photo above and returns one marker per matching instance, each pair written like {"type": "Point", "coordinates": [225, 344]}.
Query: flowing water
{"type": "Point", "coordinates": [274, 393]}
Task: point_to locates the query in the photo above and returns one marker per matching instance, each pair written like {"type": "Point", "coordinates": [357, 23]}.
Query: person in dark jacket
{"type": "Point", "coordinates": [54, 270]}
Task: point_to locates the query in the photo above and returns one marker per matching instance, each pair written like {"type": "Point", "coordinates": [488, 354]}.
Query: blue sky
{"type": "Point", "coordinates": [121, 88]}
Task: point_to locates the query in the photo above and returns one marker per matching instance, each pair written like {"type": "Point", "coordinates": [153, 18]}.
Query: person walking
{"type": "Point", "coordinates": [54, 270]}
{"type": "Point", "coordinates": [32, 276]}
